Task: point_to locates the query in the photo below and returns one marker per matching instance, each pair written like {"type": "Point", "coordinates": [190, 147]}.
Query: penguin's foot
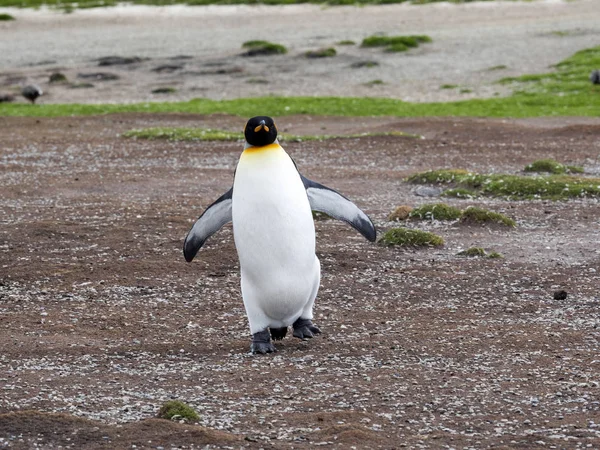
{"type": "Point", "coordinates": [304, 329]}
{"type": "Point", "coordinates": [261, 343]}
{"type": "Point", "coordinates": [278, 334]}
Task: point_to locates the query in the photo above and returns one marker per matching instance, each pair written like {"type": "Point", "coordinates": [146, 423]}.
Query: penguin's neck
{"type": "Point", "coordinates": [251, 148]}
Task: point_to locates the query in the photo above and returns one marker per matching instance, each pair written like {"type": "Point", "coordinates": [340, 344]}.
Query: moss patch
{"type": "Point", "coordinates": [442, 211]}
{"type": "Point", "coordinates": [553, 187]}
{"type": "Point", "coordinates": [410, 238]}
{"type": "Point", "coordinates": [477, 215]}
{"type": "Point", "coordinates": [177, 410]}
{"type": "Point", "coordinates": [346, 42]}
{"type": "Point", "coordinates": [472, 252]}
{"type": "Point", "coordinates": [184, 134]}
{"type": "Point", "coordinates": [257, 47]}
{"type": "Point", "coordinates": [551, 166]}
{"type": "Point", "coordinates": [321, 53]}
{"type": "Point", "coordinates": [395, 43]}
{"type": "Point", "coordinates": [436, 211]}
{"type": "Point", "coordinates": [57, 77]}
{"type": "Point", "coordinates": [209, 134]}
{"type": "Point", "coordinates": [478, 252]}
{"type": "Point", "coordinates": [6, 17]}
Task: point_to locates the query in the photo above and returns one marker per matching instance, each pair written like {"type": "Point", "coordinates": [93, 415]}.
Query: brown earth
{"type": "Point", "coordinates": [101, 319]}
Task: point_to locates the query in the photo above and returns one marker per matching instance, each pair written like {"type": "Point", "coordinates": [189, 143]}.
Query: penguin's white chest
{"type": "Point", "coordinates": [274, 233]}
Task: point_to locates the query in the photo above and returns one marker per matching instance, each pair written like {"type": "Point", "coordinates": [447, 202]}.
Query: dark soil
{"type": "Point", "coordinates": [102, 320]}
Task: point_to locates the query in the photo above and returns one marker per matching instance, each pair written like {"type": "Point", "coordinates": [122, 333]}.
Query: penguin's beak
{"type": "Point", "coordinates": [261, 126]}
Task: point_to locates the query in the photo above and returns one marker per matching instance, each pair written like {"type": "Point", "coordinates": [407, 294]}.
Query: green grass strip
{"type": "Point", "coordinates": [534, 105]}
{"type": "Point", "coordinates": [209, 134]}
{"type": "Point", "coordinates": [184, 134]}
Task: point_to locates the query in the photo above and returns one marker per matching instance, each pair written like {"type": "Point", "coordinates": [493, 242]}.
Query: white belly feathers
{"type": "Point", "coordinates": [274, 236]}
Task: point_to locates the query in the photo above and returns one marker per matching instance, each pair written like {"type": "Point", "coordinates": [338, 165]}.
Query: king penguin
{"type": "Point", "coordinates": [270, 206]}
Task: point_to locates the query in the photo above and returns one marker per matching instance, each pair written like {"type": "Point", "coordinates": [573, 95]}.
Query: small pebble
{"type": "Point", "coordinates": [560, 295]}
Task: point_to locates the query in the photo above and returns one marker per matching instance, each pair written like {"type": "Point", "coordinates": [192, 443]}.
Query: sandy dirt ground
{"type": "Point", "coordinates": [102, 320]}
{"type": "Point", "coordinates": [196, 51]}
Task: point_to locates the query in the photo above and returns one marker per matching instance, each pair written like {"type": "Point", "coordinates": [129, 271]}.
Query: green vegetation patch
{"type": "Point", "coordinates": [57, 77]}
{"type": "Point", "coordinates": [442, 211]}
{"type": "Point", "coordinates": [472, 252]}
{"type": "Point", "coordinates": [478, 252]}
{"type": "Point", "coordinates": [256, 48]}
{"type": "Point", "coordinates": [410, 238]}
{"type": "Point", "coordinates": [395, 43]}
{"type": "Point", "coordinates": [551, 166]}
{"type": "Point", "coordinates": [570, 77]}
{"type": "Point", "coordinates": [210, 134]}
{"type": "Point", "coordinates": [5, 17]}
{"type": "Point", "coordinates": [346, 42]}
{"type": "Point", "coordinates": [177, 410]}
{"type": "Point", "coordinates": [436, 211]}
{"type": "Point", "coordinates": [184, 134]}
{"type": "Point", "coordinates": [477, 215]}
{"type": "Point", "coordinates": [552, 187]}
{"type": "Point", "coordinates": [321, 53]}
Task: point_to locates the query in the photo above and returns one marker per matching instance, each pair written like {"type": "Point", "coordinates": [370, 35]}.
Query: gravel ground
{"type": "Point", "coordinates": [469, 40]}
{"type": "Point", "coordinates": [101, 320]}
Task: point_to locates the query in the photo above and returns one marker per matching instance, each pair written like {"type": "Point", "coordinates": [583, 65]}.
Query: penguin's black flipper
{"type": "Point", "coordinates": [211, 221]}
{"type": "Point", "coordinates": [334, 204]}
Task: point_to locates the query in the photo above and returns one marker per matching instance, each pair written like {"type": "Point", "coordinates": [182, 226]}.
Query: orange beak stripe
{"type": "Point", "coordinates": [260, 127]}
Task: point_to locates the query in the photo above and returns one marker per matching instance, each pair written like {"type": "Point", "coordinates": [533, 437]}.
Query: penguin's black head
{"type": "Point", "coordinates": [260, 131]}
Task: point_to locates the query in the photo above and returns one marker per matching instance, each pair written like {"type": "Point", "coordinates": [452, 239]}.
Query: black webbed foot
{"type": "Point", "coordinates": [261, 343]}
{"type": "Point", "coordinates": [278, 334]}
{"type": "Point", "coordinates": [304, 329]}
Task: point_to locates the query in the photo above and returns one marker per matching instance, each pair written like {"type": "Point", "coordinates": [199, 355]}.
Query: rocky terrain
{"type": "Point", "coordinates": [102, 320]}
